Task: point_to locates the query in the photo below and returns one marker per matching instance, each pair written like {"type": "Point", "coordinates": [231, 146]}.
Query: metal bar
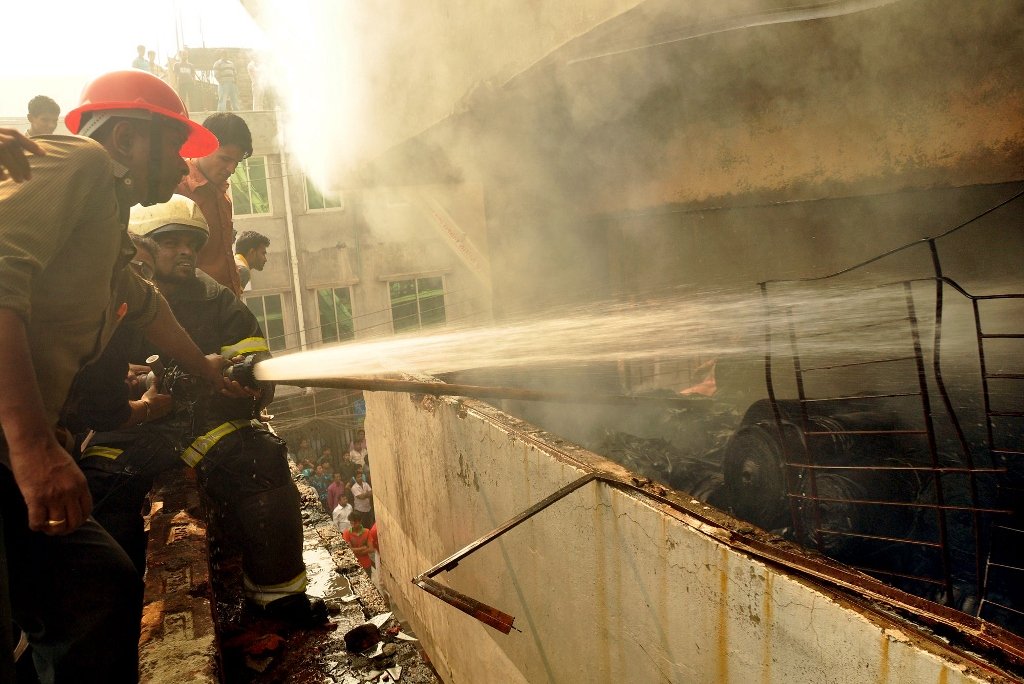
{"type": "Point", "coordinates": [928, 469]}
{"type": "Point", "coordinates": [926, 408]}
{"type": "Point", "coordinates": [794, 508]}
{"type": "Point", "coordinates": [1007, 414]}
{"type": "Point", "coordinates": [827, 433]}
{"type": "Point", "coordinates": [889, 573]}
{"type": "Point", "coordinates": [1003, 607]}
{"type": "Point", "coordinates": [864, 396]}
{"type": "Point", "coordinates": [1008, 295]}
{"type": "Point", "coordinates": [1005, 567]}
{"type": "Point", "coordinates": [452, 561]}
{"type": "Point", "coordinates": [877, 537]}
{"type": "Point", "coordinates": [902, 504]}
{"type": "Point", "coordinates": [1007, 452]}
{"type": "Point", "coordinates": [805, 426]}
{"type": "Point", "coordinates": [860, 363]}
{"type": "Point", "coordinates": [1005, 376]}
{"type": "Point", "coordinates": [479, 391]}
{"type": "Point", "coordinates": [1003, 336]}
{"type": "Point", "coordinates": [481, 611]}
{"type": "Point", "coordinates": [491, 617]}
{"type": "Point", "coordinates": [984, 378]}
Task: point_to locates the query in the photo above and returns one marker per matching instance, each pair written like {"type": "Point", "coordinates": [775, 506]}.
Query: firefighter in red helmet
{"type": "Point", "coordinates": [64, 289]}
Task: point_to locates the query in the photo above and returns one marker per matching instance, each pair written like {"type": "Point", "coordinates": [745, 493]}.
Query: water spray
{"type": "Point", "coordinates": [247, 373]}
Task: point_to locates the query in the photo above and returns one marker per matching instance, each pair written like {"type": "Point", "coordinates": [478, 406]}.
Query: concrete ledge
{"type": "Point", "coordinates": [607, 585]}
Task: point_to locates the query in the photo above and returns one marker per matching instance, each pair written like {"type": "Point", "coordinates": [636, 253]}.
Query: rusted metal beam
{"type": "Point", "coordinates": [452, 561]}
{"type": "Point", "coordinates": [481, 611]}
{"type": "Point", "coordinates": [491, 617]}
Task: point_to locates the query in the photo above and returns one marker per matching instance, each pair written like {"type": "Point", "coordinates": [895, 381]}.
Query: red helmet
{"type": "Point", "coordinates": [134, 89]}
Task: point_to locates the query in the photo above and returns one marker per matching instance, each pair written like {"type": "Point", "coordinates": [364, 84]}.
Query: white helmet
{"type": "Point", "coordinates": [175, 215]}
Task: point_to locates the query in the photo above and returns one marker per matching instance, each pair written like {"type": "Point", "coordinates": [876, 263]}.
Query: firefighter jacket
{"type": "Point", "coordinates": [220, 323]}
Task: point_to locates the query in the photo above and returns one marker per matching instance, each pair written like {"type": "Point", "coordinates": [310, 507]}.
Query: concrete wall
{"type": "Point", "coordinates": [605, 585]}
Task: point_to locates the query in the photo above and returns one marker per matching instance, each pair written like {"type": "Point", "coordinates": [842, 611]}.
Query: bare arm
{"type": "Point", "coordinates": [50, 481]}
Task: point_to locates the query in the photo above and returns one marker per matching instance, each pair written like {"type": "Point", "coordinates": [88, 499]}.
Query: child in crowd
{"type": "Point", "coordinates": [358, 537]}
{"type": "Point", "coordinates": [341, 512]}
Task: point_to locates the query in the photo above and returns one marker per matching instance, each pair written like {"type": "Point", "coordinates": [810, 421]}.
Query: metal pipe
{"type": "Point", "coordinates": [470, 606]}
{"type": "Point", "coordinates": [293, 255]}
{"type": "Point", "coordinates": [375, 384]}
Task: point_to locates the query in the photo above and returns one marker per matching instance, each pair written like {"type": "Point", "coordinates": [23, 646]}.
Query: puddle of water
{"type": "Point", "coordinates": [322, 579]}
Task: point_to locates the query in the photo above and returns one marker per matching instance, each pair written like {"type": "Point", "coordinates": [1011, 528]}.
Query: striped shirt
{"type": "Point", "coordinates": [224, 70]}
{"type": "Point", "coordinates": [63, 256]}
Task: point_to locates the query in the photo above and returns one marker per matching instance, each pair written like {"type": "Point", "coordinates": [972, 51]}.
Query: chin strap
{"type": "Point", "coordinates": [156, 143]}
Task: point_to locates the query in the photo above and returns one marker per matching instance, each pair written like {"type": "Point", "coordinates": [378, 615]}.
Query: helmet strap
{"type": "Point", "coordinates": [156, 144]}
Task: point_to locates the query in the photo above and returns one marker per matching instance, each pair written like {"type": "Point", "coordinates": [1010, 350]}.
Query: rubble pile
{"type": "Point", "coordinates": [260, 650]}
{"type": "Point", "coordinates": [683, 448]}
{"type": "Point", "coordinates": [874, 487]}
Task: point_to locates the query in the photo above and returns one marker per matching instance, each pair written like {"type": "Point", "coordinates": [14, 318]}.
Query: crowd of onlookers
{"type": "Point", "coordinates": [181, 74]}
{"type": "Point", "coordinates": [343, 484]}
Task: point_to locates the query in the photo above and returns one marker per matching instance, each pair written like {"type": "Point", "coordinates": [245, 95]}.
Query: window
{"type": "Point", "coordinates": [269, 312]}
{"type": "Point", "coordinates": [318, 201]}
{"type": "Point", "coordinates": [417, 303]}
{"type": "Point", "coordinates": [250, 189]}
{"type": "Point", "coordinates": [335, 307]}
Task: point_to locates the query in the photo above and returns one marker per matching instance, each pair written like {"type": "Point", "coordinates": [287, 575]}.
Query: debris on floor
{"type": "Point", "coordinates": [361, 641]}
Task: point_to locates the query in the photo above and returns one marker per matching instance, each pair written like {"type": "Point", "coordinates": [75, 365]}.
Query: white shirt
{"type": "Point", "coordinates": [362, 505]}
{"type": "Point", "coordinates": [340, 516]}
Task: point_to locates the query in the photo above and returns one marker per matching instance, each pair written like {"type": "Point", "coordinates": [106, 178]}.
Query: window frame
{"type": "Point", "coordinates": [248, 187]}
{"type": "Point", "coordinates": [307, 185]}
{"type": "Point", "coordinates": [320, 323]}
{"type": "Point", "coordinates": [248, 298]}
{"type": "Point", "coordinates": [418, 299]}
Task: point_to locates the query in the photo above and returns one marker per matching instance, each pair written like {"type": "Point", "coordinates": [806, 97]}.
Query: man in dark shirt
{"type": "Point", "coordinates": [185, 79]}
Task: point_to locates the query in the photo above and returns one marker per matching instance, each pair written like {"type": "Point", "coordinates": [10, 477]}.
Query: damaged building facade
{"type": "Point", "coordinates": [630, 151]}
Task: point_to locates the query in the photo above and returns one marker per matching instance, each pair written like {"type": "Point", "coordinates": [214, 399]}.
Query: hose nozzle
{"type": "Point", "coordinates": [243, 372]}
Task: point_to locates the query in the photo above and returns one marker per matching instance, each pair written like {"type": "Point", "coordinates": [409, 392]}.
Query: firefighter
{"type": "Point", "coordinates": [240, 464]}
{"type": "Point", "coordinates": [64, 289]}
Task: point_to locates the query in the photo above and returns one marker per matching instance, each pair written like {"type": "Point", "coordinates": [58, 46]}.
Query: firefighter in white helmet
{"type": "Point", "coordinates": [240, 464]}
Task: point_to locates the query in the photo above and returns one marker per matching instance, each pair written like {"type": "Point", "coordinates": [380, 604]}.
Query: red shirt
{"type": "Point", "coordinates": [216, 257]}
{"type": "Point", "coordinates": [359, 540]}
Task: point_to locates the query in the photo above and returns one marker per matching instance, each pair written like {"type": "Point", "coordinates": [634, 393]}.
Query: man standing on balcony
{"type": "Point", "coordinates": [227, 86]}
{"type": "Point", "coordinates": [207, 183]}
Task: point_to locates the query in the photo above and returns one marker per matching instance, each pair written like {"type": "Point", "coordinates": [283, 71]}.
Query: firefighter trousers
{"type": "Point", "coordinates": [243, 470]}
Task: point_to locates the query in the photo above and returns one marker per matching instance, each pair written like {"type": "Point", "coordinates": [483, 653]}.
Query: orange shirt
{"type": "Point", "coordinates": [216, 257]}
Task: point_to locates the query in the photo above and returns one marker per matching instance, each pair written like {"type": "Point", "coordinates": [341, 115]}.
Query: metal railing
{"type": "Point", "coordinates": [889, 481]}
